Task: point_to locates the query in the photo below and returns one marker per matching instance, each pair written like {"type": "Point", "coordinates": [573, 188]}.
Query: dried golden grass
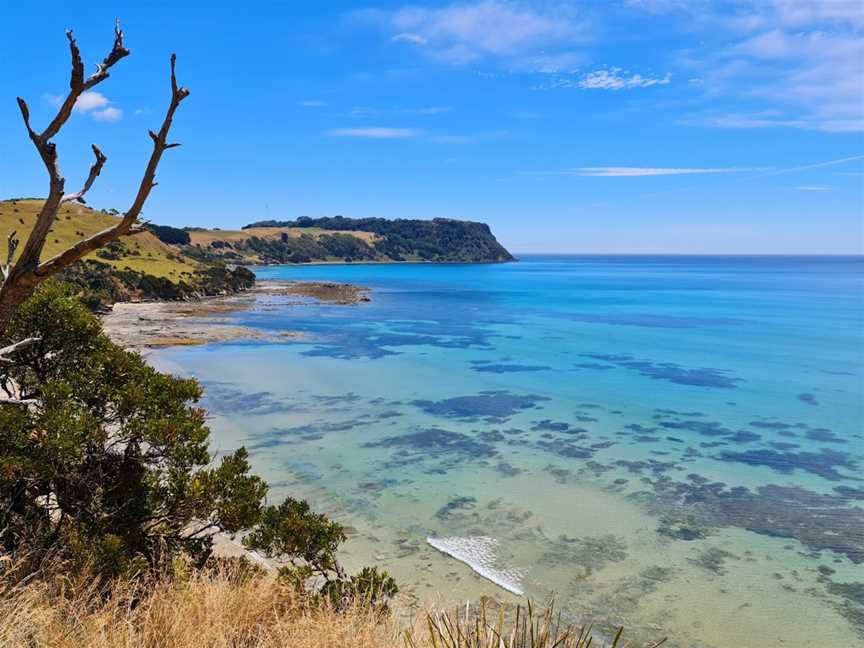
{"type": "Point", "coordinates": [219, 609]}
{"type": "Point", "coordinates": [208, 610]}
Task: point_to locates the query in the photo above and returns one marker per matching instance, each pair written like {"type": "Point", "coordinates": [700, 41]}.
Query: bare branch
{"type": "Point", "coordinates": [95, 170]}
{"type": "Point", "coordinates": [18, 346]}
{"type": "Point", "coordinates": [116, 53]}
{"type": "Point", "coordinates": [139, 227]}
{"type": "Point", "coordinates": [13, 348]}
{"type": "Point", "coordinates": [10, 254]}
{"type": "Point", "coordinates": [32, 251]}
{"type": "Point", "coordinates": [76, 79]}
{"type": "Point", "coordinates": [25, 113]}
{"type": "Point", "coordinates": [18, 402]}
{"type": "Point", "coordinates": [78, 84]}
{"type": "Point", "coordinates": [127, 224]}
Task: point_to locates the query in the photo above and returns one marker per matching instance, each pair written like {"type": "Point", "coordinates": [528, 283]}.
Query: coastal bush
{"type": "Point", "coordinates": [100, 285]}
{"type": "Point", "coordinates": [170, 235]}
{"type": "Point", "coordinates": [104, 464]}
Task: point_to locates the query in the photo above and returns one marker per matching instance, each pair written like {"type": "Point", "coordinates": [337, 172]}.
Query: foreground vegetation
{"type": "Point", "coordinates": [232, 607]}
{"type": "Point", "coordinates": [105, 466]}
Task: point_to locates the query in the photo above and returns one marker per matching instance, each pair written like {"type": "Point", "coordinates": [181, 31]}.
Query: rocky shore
{"type": "Point", "coordinates": [140, 326]}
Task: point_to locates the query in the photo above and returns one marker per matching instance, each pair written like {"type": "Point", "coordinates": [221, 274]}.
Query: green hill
{"type": "Point", "coordinates": [378, 239]}
{"type": "Point", "coordinates": [344, 240]}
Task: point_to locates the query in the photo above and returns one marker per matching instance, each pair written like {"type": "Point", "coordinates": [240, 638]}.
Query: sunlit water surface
{"type": "Point", "coordinates": [670, 443]}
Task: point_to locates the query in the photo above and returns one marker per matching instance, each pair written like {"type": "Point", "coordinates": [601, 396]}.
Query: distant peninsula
{"type": "Point", "coordinates": [338, 239]}
{"type": "Point", "coordinates": [167, 263]}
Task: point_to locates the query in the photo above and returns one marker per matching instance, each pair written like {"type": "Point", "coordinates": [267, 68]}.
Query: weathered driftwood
{"type": "Point", "coordinates": [22, 276]}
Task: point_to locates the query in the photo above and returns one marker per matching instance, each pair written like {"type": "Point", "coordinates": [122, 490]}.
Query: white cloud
{"type": "Point", "coordinates": [90, 100]}
{"type": "Point", "coordinates": [808, 12]}
{"type": "Point", "coordinates": [465, 32]}
{"type": "Point", "coordinates": [313, 103]}
{"type": "Point", "coordinates": [633, 172]}
{"type": "Point", "coordinates": [805, 56]}
{"type": "Point", "coordinates": [376, 132]}
{"type": "Point", "coordinates": [92, 103]}
{"type": "Point", "coordinates": [814, 188]}
{"type": "Point", "coordinates": [416, 39]}
{"type": "Point", "coordinates": [108, 114]}
{"type": "Point", "coordinates": [617, 79]}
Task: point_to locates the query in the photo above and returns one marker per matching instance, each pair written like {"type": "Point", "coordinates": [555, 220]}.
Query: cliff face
{"type": "Point", "coordinates": [373, 239]}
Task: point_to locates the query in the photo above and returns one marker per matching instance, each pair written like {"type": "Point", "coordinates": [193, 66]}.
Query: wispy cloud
{"type": "Point", "coordinates": [762, 120]}
{"type": "Point", "coordinates": [469, 138]}
{"type": "Point", "coordinates": [398, 111]}
{"type": "Point", "coordinates": [433, 110]}
{"type": "Point", "coordinates": [465, 32]}
{"type": "Point", "coordinates": [816, 165]}
{"type": "Point", "coordinates": [632, 172]}
{"type": "Point", "coordinates": [376, 132]}
{"type": "Point", "coordinates": [611, 79]}
{"type": "Point", "coordinates": [805, 57]}
{"type": "Point", "coordinates": [107, 114]}
{"type": "Point", "coordinates": [405, 37]}
{"type": "Point", "coordinates": [313, 103]}
{"type": "Point", "coordinates": [814, 188]}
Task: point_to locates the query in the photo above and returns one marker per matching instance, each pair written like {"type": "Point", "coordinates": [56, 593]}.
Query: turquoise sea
{"type": "Point", "coordinates": [671, 443]}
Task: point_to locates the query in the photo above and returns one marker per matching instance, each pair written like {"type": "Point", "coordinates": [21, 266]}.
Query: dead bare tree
{"type": "Point", "coordinates": [22, 276]}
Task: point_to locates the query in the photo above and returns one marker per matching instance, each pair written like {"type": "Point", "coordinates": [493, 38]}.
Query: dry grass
{"type": "Point", "coordinates": [220, 610]}
{"type": "Point", "coordinates": [75, 221]}
{"type": "Point", "coordinates": [205, 237]}
{"type": "Point", "coordinates": [207, 611]}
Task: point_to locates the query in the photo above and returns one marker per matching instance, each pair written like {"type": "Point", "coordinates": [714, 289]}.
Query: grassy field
{"type": "Point", "coordinates": [143, 252]}
{"type": "Point", "coordinates": [205, 237]}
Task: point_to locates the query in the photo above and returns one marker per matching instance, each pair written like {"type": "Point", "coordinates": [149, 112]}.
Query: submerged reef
{"type": "Point", "coordinates": [493, 406]}
{"type": "Point", "coordinates": [821, 522]}
{"type": "Point", "coordinates": [669, 371]}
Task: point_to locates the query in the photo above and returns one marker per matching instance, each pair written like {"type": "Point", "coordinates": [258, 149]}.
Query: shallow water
{"type": "Point", "coordinates": [670, 443]}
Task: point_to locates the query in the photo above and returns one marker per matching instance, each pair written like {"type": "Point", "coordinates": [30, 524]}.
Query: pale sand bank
{"type": "Point", "coordinates": [140, 326]}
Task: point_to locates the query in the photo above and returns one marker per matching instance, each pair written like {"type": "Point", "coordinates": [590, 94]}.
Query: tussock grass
{"type": "Point", "coordinates": [227, 608]}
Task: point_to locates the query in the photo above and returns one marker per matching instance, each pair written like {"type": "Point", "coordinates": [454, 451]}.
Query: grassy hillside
{"type": "Point", "coordinates": [135, 268]}
{"type": "Point", "coordinates": [261, 245]}
{"type": "Point", "coordinates": [140, 252]}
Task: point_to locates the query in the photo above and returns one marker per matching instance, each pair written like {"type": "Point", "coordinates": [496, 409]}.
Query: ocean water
{"type": "Point", "coordinates": [675, 444]}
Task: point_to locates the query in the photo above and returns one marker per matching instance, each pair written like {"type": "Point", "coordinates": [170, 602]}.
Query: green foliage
{"type": "Point", "coordinates": [100, 285]}
{"type": "Point", "coordinates": [441, 239]}
{"type": "Point", "coordinates": [170, 235]}
{"type": "Point", "coordinates": [109, 466]}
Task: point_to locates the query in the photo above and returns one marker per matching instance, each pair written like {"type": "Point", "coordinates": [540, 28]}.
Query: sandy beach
{"type": "Point", "coordinates": [142, 326]}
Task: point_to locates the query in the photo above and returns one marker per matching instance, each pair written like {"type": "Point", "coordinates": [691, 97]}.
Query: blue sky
{"type": "Point", "coordinates": [616, 126]}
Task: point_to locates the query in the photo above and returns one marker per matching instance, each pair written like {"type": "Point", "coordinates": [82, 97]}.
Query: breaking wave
{"type": "Point", "coordinates": [478, 552]}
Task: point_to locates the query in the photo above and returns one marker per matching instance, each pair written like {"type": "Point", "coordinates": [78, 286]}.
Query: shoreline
{"type": "Point", "coordinates": [145, 326]}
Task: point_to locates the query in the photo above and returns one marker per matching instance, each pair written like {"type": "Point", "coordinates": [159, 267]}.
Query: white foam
{"type": "Point", "coordinates": [478, 552]}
